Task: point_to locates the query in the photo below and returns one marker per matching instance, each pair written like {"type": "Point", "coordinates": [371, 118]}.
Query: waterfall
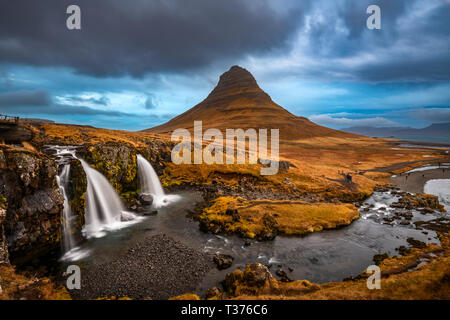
{"type": "Point", "coordinates": [150, 183]}
{"type": "Point", "coordinates": [69, 245]}
{"type": "Point", "coordinates": [67, 217]}
{"type": "Point", "coordinates": [104, 209]}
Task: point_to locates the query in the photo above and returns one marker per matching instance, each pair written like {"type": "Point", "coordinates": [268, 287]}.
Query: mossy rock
{"type": "Point", "coordinates": [77, 192]}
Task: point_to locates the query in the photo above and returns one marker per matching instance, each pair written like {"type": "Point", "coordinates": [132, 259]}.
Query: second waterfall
{"type": "Point", "coordinates": [150, 184]}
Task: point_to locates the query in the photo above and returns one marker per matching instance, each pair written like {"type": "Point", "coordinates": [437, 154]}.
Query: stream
{"type": "Point", "coordinates": [319, 257]}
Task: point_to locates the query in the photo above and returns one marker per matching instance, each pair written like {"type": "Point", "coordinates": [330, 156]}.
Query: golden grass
{"type": "Point", "coordinates": [77, 135]}
{"type": "Point", "coordinates": [15, 286]}
{"type": "Point", "coordinates": [187, 296]}
{"type": "Point", "coordinates": [289, 217]}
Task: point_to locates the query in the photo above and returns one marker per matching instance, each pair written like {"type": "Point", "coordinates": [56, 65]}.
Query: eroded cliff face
{"type": "Point", "coordinates": [117, 162]}
{"type": "Point", "coordinates": [4, 256]}
{"type": "Point", "coordinates": [33, 204]}
{"type": "Point", "coordinates": [77, 193]}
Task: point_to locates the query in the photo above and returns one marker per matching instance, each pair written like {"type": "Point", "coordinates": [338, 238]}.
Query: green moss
{"type": "Point", "coordinates": [77, 193]}
{"type": "Point", "coordinates": [3, 202]}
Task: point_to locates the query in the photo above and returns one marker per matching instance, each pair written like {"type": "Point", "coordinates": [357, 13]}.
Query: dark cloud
{"type": "Point", "coordinates": [120, 37]}
{"type": "Point", "coordinates": [412, 45]}
{"type": "Point", "coordinates": [24, 98]}
{"type": "Point", "coordinates": [60, 109]}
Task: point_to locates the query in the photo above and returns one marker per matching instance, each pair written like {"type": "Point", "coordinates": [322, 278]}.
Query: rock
{"type": "Point", "coordinates": [16, 134]}
{"type": "Point", "coordinates": [428, 202]}
{"type": "Point", "coordinates": [402, 250]}
{"type": "Point", "coordinates": [223, 261]}
{"type": "Point", "coordinates": [416, 243]}
{"type": "Point", "coordinates": [151, 213]}
{"type": "Point", "coordinates": [4, 256]}
{"type": "Point", "coordinates": [314, 260]}
{"type": "Point", "coordinates": [283, 275]}
{"type": "Point", "coordinates": [378, 258]}
{"type": "Point", "coordinates": [270, 230]}
{"type": "Point", "coordinates": [284, 166]}
{"type": "Point", "coordinates": [146, 199]}
{"type": "Point", "coordinates": [214, 293]}
{"type": "Point", "coordinates": [32, 225]}
{"type": "Point", "coordinates": [127, 216]}
{"type": "Point", "coordinates": [256, 274]}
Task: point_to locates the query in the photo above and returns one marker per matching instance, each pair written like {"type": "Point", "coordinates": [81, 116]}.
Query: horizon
{"type": "Point", "coordinates": [315, 59]}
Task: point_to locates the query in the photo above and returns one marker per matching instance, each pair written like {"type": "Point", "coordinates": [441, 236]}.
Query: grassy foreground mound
{"type": "Point", "coordinates": [15, 286]}
{"type": "Point", "coordinates": [264, 219]}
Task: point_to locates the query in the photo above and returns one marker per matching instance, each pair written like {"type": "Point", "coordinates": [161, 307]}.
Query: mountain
{"type": "Point", "coordinates": [434, 132]}
{"type": "Point", "coordinates": [238, 102]}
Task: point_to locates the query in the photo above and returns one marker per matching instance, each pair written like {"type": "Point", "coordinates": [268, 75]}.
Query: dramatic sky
{"type": "Point", "coordinates": [136, 64]}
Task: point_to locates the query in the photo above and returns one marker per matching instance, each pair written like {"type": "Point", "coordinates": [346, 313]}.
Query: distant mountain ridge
{"type": "Point", "coordinates": [238, 102]}
{"type": "Point", "coordinates": [435, 129]}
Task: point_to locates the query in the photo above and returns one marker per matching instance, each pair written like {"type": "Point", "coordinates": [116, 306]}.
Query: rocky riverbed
{"type": "Point", "coordinates": [157, 267]}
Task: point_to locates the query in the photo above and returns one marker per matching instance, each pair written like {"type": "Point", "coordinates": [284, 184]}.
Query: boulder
{"type": "Point", "coordinates": [223, 261]}
{"type": "Point", "coordinates": [146, 199]}
{"type": "Point", "coordinates": [283, 276]}
{"type": "Point", "coordinates": [214, 293]}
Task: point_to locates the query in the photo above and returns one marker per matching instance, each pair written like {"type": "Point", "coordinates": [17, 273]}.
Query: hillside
{"type": "Point", "coordinates": [238, 102]}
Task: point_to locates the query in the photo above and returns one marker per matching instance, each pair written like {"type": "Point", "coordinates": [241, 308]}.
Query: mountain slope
{"type": "Point", "coordinates": [238, 102]}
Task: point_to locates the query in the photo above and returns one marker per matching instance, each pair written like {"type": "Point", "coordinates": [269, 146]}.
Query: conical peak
{"type": "Point", "coordinates": [236, 80]}
{"type": "Point", "coordinates": [237, 77]}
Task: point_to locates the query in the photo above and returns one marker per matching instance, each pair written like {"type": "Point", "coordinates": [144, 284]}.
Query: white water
{"type": "Point", "coordinates": [67, 218]}
{"type": "Point", "coordinates": [104, 209]}
{"type": "Point", "coordinates": [441, 189]}
{"type": "Point", "coordinates": [150, 184]}
{"type": "Point", "coordinates": [70, 249]}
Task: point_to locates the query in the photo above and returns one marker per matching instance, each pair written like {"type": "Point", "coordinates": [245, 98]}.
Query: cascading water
{"type": "Point", "coordinates": [69, 244]}
{"type": "Point", "coordinates": [67, 217]}
{"type": "Point", "coordinates": [150, 184]}
{"type": "Point", "coordinates": [149, 179]}
{"type": "Point", "coordinates": [104, 209]}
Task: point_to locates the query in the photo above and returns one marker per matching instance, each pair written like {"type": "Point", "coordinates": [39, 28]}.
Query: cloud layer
{"type": "Point", "coordinates": [149, 59]}
{"type": "Point", "coordinates": [141, 36]}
